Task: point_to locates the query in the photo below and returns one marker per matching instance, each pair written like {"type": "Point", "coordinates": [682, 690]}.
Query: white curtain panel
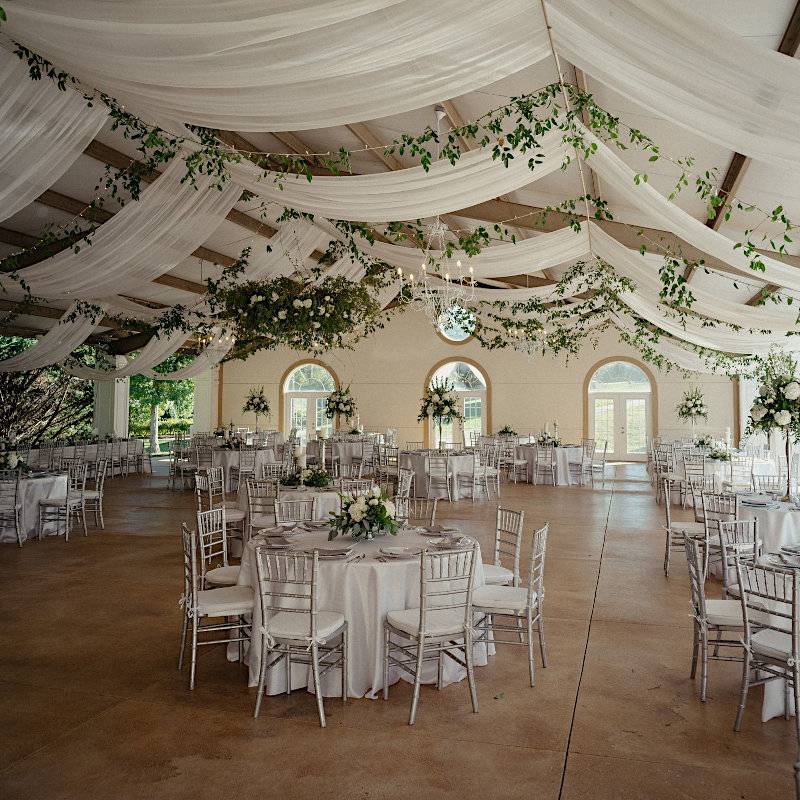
{"type": "Point", "coordinates": [295, 241]}
{"type": "Point", "coordinates": [404, 194]}
{"type": "Point", "coordinates": [54, 346]}
{"type": "Point", "coordinates": [210, 357]}
{"type": "Point", "coordinates": [667, 215]}
{"type": "Point", "coordinates": [689, 69]}
{"type": "Point", "coordinates": [288, 65]}
{"type": "Point", "coordinates": [154, 352]}
{"type": "Point", "coordinates": [42, 132]}
{"type": "Point", "coordinates": [142, 241]}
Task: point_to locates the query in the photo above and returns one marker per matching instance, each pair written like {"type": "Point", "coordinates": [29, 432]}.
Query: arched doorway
{"type": "Point", "coordinates": [619, 405]}
{"type": "Point", "coordinates": [471, 387]}
{"type": "Point", "coordinates": [305, 387]}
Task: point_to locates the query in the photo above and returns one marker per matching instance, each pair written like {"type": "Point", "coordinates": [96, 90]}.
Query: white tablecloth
{"type": "Point", "coordinates": [31, 491]}
{"type": "Point", "coordinates": [564, 457]}
{"type": "Point", "coordinates": [776, 528]}
{"type": "Point", "coordinates": [416, 461]}
{"type": "Point", "coordinates": [721, 470]}
{"type": "Point", "coordinates": [327, 500]}
{"type": "Point", "coordinates": [230, 458]}
{"type": "Point", "coordinates": [364, 591]}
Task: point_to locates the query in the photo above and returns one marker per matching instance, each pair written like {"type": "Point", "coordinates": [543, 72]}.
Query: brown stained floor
{"type": "Point", "coordinates": [92, 706]}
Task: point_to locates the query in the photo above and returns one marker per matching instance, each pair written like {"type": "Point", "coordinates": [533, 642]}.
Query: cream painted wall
{"type": "Point", "coordinates": [387, 373]}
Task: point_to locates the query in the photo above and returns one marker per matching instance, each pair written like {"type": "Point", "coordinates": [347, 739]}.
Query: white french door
{"type": "Point", "coordinates": [306, 413]}
{"type": "Point", "coordinates": [622, 420]}
{"type": "Point", "coordinates": [473, 408]}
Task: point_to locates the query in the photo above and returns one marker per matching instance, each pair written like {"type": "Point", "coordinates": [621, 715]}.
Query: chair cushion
{"type": "Point", "coordinates": [226, 602]}
{"type": "Point", "coordinates": [773, 644]}
{"type": "Point", "coordinates": [724, 612]}
{"type": "Point", "coordinates": [731, 487]}
{"type": "Point", "coordinates": [692, 528]}
{"type": "Point", "coordinates": [438, 622]}
{"type": "Point", "coordinates": [497, 576]}
{"type": "Point", "coordinates": [223, 576]}
{"type": "Point", "coordinates": [59, 501]}
{"type": "Point", "coordinates": [288, 625]}
{"type": "Point", "coordinates": [232, 512]}
{"type": "Point", "coordinates": [91, 494]}
{"type": "Point", "coordinates": [500, 598]}
{"type": "Point", "coordinates": [262, 520]}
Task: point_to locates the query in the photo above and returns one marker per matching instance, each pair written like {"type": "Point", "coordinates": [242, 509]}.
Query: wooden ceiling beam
{"type": "Point", "coordinates": [457, 121]}
{"type": "Point", "coordinates": [762, 294]}
{"type": "Point", "coordinates": [368, 138]}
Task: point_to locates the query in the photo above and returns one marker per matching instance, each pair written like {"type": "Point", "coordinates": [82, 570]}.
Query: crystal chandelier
{"type": "Point", "coordinates": [441, 282]}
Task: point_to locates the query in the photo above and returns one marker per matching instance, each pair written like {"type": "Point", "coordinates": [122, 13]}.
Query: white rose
{"type": "Point", "coordinates": [307, 303]}
{"type": "Point", "coordinates": [356, 513]}
{"type": "Point", "coordinates": [296, 303]}
{"type": "Point", "coordinates": [792, 390]}
{"type": "Point", "coordinates": [282, 314]}
{"type": "Point", "coordinates": [315, 324]}
{"type": "Point", "coordinates": [376, 491]}
{"type": "Point", "coordinates": [757, 412]}
{"type": "Point", "coordinates": [327, 298]}
{"type": "Point", "coordinates": [783, 418]}
{"type": "Point", "coordinates": [390, 510]}
{"type": "Point", "coordinates": [763, 390]}
{"type": "Point", "coordinates": [274, 297]}
{"type": "Point", "coordinates": [253, 299]}
{"type": "Point", "coordinates": [373, 502]}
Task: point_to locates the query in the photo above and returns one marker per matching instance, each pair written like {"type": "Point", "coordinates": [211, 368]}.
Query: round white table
{"type": "Point", "coordinates": [364, 591]}
{"type": "Point", "coordinates": [327, 499]}
{"type": "Point", "coordinates": [565, 455]}
{"type": "Point", "coordinates": [31, 491]}
{"type": "Point", "coordinates": [416, 460]}
{"type": "Point", "coordinates": [776, 526]}
{"type": "Point", "coordinates": [226, 459]}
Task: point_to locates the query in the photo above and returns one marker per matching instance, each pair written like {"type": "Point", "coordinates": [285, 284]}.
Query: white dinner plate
{"type": "Point", "coordinates": [400, 552]}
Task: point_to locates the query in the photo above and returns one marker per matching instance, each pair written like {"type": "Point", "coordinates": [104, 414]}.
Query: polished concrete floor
{"type": "Point", "coordinates": [92, 706]}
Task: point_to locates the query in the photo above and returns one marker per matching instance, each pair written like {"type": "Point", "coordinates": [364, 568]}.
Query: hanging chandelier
{"type": "Point", "coordinates": [441, 282]}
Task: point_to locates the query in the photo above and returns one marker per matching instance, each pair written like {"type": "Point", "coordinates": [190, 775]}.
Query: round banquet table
{"type": "Point", "coordinates": [344, 452]}
{"type": "Point", "coordinates": [230, 458]}
{"type": "Point", "coordinates": [31, 491]}
{"type": "Point", "coordinates": [416, 461]}
{"type": "Point", "coordinates": [777, 526]}
{"type": "Point", "coordinates": [721, 470]}
{"type": "Point", "coordinates": [327, 500]}
{"type": "Point", "coordinates": [565, 455]}
{"type": "Point", "coordinates": [364, 591]}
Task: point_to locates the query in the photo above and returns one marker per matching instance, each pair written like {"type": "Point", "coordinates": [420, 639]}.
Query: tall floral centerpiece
{"type": "Point", "coordinates": [257, 403]}
{"type": "Point", "coordinates": [777, 405]}
{"type": "Point", "coordinates": [692, 407]}
{"type": "Point", "coordinates": [440, 404]}
{"type": "Point", "coordinates": [341, 403]}
{"type": "Point", "coordinates": [364, 517]}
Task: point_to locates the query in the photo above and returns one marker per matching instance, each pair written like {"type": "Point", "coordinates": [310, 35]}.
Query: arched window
{"type": "Point", "coordinates": [471, 386]}
{"type": "Point", "coordinates": [305, 390]}
{"type": "Point", "coordinates": [619, 404]}
{"type": "Point", "coordinates": [456, 324]}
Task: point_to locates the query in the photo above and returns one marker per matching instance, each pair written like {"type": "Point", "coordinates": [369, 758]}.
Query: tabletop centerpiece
{"type": "Point", "coordinates": [777, 405]}
{"type": "Point", "coordinates": [547, 439]}
{"type": "Point", "coordinates": [257, 403]}
{"type": "Point", "coordinates": [340, 403]}
{"type": "Point", "coordinates": [692, 407]}
{"type": "Point", "coordinates": [364, 517]}
{"type": "Point", "coordinates": [718, 454]}
{"type": "Point", "coordinates": [232, 443]}
{"type": "Point", "coordinates": [314, 477]}
{"type": "Point", "coordinates": [705, 440]}
{"type": "Point", "coordinates": [440, 404]}
{"type": "Point", "coordinates": [507, 430]}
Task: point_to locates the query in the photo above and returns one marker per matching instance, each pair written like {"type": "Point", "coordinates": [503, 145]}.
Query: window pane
{"type": "Point", "coordinates": [323, 423]}
{"type": "Point", "coordinates": [604, 423]}
{"type": "Point", "coordinates": [619, 376]}
{"type": "Point", "coordinates": [298, 413]}
{"type": "Point", "coordinates": [456, 324]}
{"type": "Point", "coordinates": [310, 378]}
{"type": "Point", "coordinates": [473, 416]}
{"type": "Point", "coordinates": [463, 376]}
{"type": "Point", "coordinates": [636, 424]}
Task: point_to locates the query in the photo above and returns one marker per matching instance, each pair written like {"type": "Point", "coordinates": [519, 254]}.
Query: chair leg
{"type": "Point", "coordinates": [193, 671]}
{"type": "Point", "coordinates": [417, 681]}
{"type": "Point", "coordinates": [703, 664]}
{"type": "Point", "coordinates": [184, 629]}
{"type": "Point", "coordinates": [695, 649]}
{"type": "Point", "coordinates": [531, 661]}
{"type": "Point", "coordinates": [737, 725]}
{"type": "Point", "coordinates": [667, 550]}
{"type": "Point", "coordinates": [468, 657]}
{"type": "Point", "coordinates": [289, 670]}
{"type": "Point", "coordinates": [317, 686]}
{"type": "Point", "coordinates": [344, 664]}
{"type": "Point", "coordinates": [262, 677]}
{"type": "Point", "coordinates": [542, 643]}
{"type": "Point", "coordinates": [386, 638]}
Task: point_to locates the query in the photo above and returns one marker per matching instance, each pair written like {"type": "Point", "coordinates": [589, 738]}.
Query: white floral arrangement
{"type": "Point", "coordinates": [778, 402]}
{"type": "Point", "coordinates": [340, 402]}
{"type": "Point", "coordinates": [440, 404]}
{"type": "Point", "coordinates": [256, 403]}
{"type": "Point", "coordinates": [365, 516]}
{"type": "Point", "coordinates": [693, 406]}
{"type": "Point", "coordinates": [545, 439]}
{"type": "Point", "coordinates": [706, 440]}
{"type": "Point", "coordinates": [718, 454]}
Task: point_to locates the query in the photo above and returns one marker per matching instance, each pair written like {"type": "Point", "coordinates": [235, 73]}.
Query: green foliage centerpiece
{"type": "Point", "coordinates": [257, 403]}
{"type": "Point", "coordinates": [440, 404]}
{"type": "Point", "coordinates": [342, 403]}
{"type": "Point", "coordinates": [506, 430]}
{"type": "Point", "coordinates": [777, 405]}
{"type": "Point", "coordinates": [315, 477]}
{"type": "Point", "coordinates": [364, 517]}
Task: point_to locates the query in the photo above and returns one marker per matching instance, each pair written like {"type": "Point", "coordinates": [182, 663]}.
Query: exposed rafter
{"type": "Point", "coordinates": [457, 121]}
{"type": "Point", "coordinates": [366, 136]}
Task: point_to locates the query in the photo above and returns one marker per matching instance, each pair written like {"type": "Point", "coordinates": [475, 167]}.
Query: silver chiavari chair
{"type": "Point", "coordinates": [405, 479]}
{"type": "Point", "coordinates": [474, 480]}
{"type": "Point", "coordinates": [200, 604]}
{"type": "Point", "coordinates": [212, 536]}
{"type": "Point", "coordinates": [588, 448]}
{"type": "Point", "coordinates": [674, 530]}
{"type": "Point", "coordinates": [415, 511]}
{"type": "Point", "coordinates": [523, 604]}
{"type": "Point", "coordinates": [10, 503]}
{"type": "Point", "coordinates": [273, 470]}
{"type": "Point", "coordinates": [717, 507]}
{"type": "Point", "coordinates": [93, 496]}
{"type": "Point", "coordinates": [439, 475]}
{"type": "Point", "coordinates": [544, 463]}
{"type": "Point", "coordinates": [770, 600]}
{"type": "Point", "coordinates": [354, 488]}
{"type": "Point", "coordinates": [721, 619]}
{"type": "Point", "coordinates": [62, 509]}
{"type": "Point", "coordinates": [295, 510]}
{"type": "Point", "coordinates": [234, 515]}
{"type": "Point", "coordinates": [353, 470]}
{"type": "Point", "coordinates": [294, 629]}
{"type": "Point", "coordinates": [246, 468]}
{"type": "Point", "coordinates": [443, 625]}
{"type": "Point", "coordinates": [740, 475]}
{"type": "Point", "coordinates": [770, 484]}
{"type": "Point", "coordinates": [490, 467]}
{"type": "Point", "coordinates": [413, 446]}
{"type": "Point", "coordinates": [694, 467]}
{"type": "Point", "coordinates": [504, 569]}
{"type": "Point", "coordinates": [738, 538]}
{"type": "Point", "coordinates": [261, 497]}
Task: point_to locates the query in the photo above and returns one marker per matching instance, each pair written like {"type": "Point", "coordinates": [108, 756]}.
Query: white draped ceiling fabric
{"type": "Point", "coordinates": [42, 133]}
{"type": "Point", "coordinates": [219, 347]}
{"type": "Point", "coordinates": [145, 239]}
{"type": "Point", "coordinates": [68, 333]}
{"type": "Point", "coordinates": [288, 65]}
